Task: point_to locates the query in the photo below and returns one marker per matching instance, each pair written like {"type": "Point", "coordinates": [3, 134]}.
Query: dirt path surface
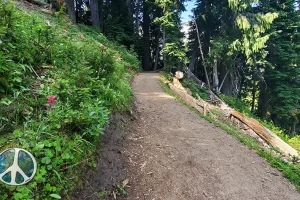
{"type": "Point", "coordinates": [173, 154]}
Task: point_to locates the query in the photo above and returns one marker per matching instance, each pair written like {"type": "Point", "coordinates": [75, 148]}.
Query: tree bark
{"type": "Point", "coordinates": [215, 76]}
{"type": "Point", "coordinates": [101, 15]}
{"type": "Point", "coordinates": [202, 55]}
{"type": "Point", "coordinates": [137, 11]}
{"type": "Point", "coordinates": [95, 13]}
{"type": "Point", "coordinates": [293, 132]}
{"type": "Point", "coordinates": [225, 80]}
{"type": "Point", "coordinates": [262, 100]}
{"type": "Point", "coordinates": [193, 58]}
{"type": "Point", "coordinates": [164, 45]}
{"type": "Point", "coordinates": [157, 51]}
{"type": "Point", "coordinates": [253, 96]}
{"type": "Point", "coordinates": [146, 36]}
{"type": "Point", "coordinates": [71, 10]}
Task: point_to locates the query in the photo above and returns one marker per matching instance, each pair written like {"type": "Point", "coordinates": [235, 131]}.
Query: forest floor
{"type": "Point", "coordinates": [170, 153]}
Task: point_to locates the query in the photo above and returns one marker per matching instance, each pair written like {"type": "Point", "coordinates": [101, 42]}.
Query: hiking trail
{"type": "Point", "coordinates": [173, 154]}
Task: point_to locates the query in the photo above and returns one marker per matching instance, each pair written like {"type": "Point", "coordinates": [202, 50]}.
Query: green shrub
{"type": "Point", "coordinates": [295, 142]}
{"type": "Point", "coordinates": [237, 104]}
{"type": "Point", "coordinates": [195, 89]}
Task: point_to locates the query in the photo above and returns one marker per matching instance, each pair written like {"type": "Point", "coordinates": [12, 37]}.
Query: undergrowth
{"type": "Point", "coordinates": [290, 170]}
{"type": "Point", "coordinates": [58, 84]}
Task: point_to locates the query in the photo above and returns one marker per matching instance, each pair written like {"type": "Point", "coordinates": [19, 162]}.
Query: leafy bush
{"type": "Point", "coordinates": [295, 142]}
{"type": "Point", "coordinates": [237, 104]}
{"type": "Point", "coordinates": [58, 84]}
{"type": "Point", "coordinates": [195, 89]}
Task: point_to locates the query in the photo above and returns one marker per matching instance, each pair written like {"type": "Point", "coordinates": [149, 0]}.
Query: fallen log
{"type": "Point", "coordinates": [188, 98]}
{"type": "Point", "coordinates": [214, 99]}
{"type": "Point", "coordinates": [248, 124]}
{"type": "Point", "coordinates": [265, 134]}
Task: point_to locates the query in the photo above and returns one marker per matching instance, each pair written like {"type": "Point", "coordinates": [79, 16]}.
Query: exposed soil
{"type": "Point", "coordinates": [168, 152]}
{"type": "Point", "coordinates": [110, 163]}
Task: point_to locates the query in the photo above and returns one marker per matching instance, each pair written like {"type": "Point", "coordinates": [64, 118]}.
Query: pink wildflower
{"type": "Point", "coordinates": [70, 91]}
{"type": "Point", "coordinates": [100, 69]}
{"type": "Point", "coordinates": [51, 100]}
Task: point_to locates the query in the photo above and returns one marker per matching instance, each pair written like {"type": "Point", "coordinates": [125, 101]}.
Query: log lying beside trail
{"type": "Point", "coordinates": [203, 107]}
{"type": "Point", "coordinates": [265, 134]}
{"type": "Point", "coordinates": [187, 98]}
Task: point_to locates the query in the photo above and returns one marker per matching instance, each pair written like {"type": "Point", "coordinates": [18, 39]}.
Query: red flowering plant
{"type": "Point", "coordinates": [51, 100]}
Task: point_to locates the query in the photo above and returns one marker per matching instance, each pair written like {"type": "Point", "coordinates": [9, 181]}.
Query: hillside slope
{"type": "Point", "coordinates": [58, 84]}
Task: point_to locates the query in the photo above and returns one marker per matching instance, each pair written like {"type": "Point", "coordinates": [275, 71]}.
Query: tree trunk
{"type": "Point", "coordinates": [146, 36]}
{"type": "Point", "coordinates": [137, 11]}
{"type": "Point", "coordinates": [225, 84]}
{"type": "Point", "coordinates": [95, 14]}
{"type": "Point", "coordinates": [243, 80]}
{"type": "Point", "coordinates": [253, 99]}
{"type": "Point", "coordinates": [101, 15]}
{"type": "Point", "coordinates": [157, 51]}
{"type": "Point", "coordinates": [253, 96]}
{"type": "Point", "coordinates": [215, 76]}
{"type": "Point", "coordinates": [202, 55]}
{"type": "Point", "coordinates": [193, 58]}
{"type": "Point", "coordinates": [262, 100]}
{"type": "Point", "coordinates": [164, 45]}
{"type": "Point", "coordinates": [293, 132]}
{"type": "Point", "coordinates": [71, 10]}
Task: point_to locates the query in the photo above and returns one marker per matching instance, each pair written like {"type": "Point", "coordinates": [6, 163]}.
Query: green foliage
{"type": "Point", "coordinates": [237, 104]}
{"type": "Point", "coordinates": [195, 89]}
{"type": "Point", "coordinates": [118, 22]}
{"type": "Point", "coordinates": [252, 27]}
{"type": "Point", "coordinates": [170, 22]}
{"type": "Point", "coordinates": [59, 82]}
{"type": "Point", "coordinates": [255, 46]}
{"type": "Point", "coordinates": [295, 142]}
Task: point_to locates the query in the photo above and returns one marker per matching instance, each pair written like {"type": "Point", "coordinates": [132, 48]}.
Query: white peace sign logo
{"type": "Point", "coordinates": [17, 166]}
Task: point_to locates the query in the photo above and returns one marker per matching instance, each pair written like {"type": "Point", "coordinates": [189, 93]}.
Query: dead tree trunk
{"type": "Point", "coordinates": [222, 83]}
{"type": "Point", "coordinates": [215, 76]}
{"type": "Point", "coordinates": [266, 134]}
{"type": "Point", "coordinates": [202, 55]}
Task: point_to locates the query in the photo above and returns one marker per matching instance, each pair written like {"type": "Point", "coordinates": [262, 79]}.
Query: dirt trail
{"type": "Point", "coordinates": [173, 154]}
